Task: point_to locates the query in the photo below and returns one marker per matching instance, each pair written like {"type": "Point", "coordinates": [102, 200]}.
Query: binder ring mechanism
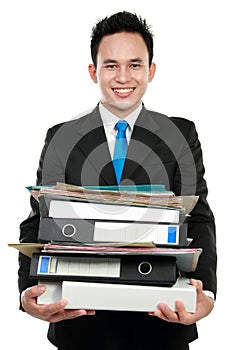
{"type": "Point", "coordinates": [69, 230]}
{"type": "Point", "coordinates": [144, 268]}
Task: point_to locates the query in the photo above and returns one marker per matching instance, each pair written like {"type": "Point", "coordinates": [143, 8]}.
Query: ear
{"type": "Point", "coordinates": [152, 71]}
{"type": "Point", "coordinates": [93, 72]}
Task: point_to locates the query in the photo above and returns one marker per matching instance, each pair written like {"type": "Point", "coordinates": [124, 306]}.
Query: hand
{"type": "Point", "coordinates": [52, 312]}
{"type": "Point", "coordinates": [204, 306]}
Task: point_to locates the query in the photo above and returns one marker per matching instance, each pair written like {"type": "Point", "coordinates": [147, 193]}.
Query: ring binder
{"type": "Point", "coordinates": [86, 231]}
{"type": "Point", "coordinates": [129, 269]}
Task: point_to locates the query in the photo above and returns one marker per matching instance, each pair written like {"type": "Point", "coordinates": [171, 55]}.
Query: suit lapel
{"type": "Point", "coordinates": [93, 145]}
{"type": "Point", "coordinates": [144, 139]}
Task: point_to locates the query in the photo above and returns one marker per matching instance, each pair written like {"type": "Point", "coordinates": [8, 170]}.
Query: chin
{"type": "Point", "coordinates": [124, 105]}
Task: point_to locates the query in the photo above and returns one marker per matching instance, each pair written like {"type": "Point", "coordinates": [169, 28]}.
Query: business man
{"type": "Point", "coordinates": [160, 150]}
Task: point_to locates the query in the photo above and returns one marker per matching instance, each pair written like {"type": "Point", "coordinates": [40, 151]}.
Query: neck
{"type": "Point", "coordinates": [121, 113]}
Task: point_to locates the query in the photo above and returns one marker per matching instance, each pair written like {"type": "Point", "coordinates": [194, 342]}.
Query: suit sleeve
{"type": "Point", "coordinates": [29, 227]}
{"type": "Point", "coordinates": [28, 234]}
{"type": "Point", "coordinates": [201, 225]}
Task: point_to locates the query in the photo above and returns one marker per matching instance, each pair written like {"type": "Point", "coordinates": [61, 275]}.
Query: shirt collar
{"type": "Point", "coordinates": [110, 120]}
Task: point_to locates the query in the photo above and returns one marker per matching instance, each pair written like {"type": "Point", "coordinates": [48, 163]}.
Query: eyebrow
{"type": "Point", "coordinates": [133, 60]}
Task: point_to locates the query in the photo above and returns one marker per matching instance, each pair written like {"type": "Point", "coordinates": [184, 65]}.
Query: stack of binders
{"type": "Point", "coordinates": [111, 250]}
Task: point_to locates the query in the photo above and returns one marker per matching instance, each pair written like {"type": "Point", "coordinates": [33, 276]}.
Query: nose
{"type": "Point", "coordinates": [123, 75]}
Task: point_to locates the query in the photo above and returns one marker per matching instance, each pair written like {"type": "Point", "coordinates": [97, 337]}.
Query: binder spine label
{"type": "Point", "coordinates": [84, 266]}
{"type": "Point", "coordinates": [136, 232]}
{"type": "Point", "coordinates": [44, 264]}
{"type": "Point", "coordinates": [172, 234]}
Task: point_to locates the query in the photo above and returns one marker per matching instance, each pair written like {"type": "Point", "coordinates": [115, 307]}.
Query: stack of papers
{"type": "Point", "coordinates": [130, 239]}
{"type": "Point", "coordinates": [143, 195]}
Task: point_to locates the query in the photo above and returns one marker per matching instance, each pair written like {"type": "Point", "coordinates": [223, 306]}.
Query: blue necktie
{"type": "Point", "coordinates": [120, 149]}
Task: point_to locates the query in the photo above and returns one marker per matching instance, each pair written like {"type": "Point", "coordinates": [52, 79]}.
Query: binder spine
{"type": "Point", "coordinates": [89, 231]}
{"type": "Point", "coordinates": [129, 269]}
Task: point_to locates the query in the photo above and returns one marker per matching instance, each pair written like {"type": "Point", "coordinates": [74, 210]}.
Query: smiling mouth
{"type": "Point", "coordinates": [124, 91]}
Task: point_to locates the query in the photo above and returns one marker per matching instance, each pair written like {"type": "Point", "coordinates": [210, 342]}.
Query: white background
{"type": "Point", "coordinates": [44, 81]}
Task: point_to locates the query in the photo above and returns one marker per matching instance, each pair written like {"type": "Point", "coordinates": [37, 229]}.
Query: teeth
{"type": "Point", "coordinates": [123, 91]}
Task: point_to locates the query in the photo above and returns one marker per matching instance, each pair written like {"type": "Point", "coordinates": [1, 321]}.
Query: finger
{"type": "Point", "coordinates": [180, 308]}
{"type": "Point", "coordinates": [199, 289]}
{"type": "Point", "coordinates": [166, 313]}
{"type": "Point", "coordinates": [51, 312]}
{"type": "Point", "coordinates": [197, 284]}
{"type": "Point", "coordinates": [69, 314]}
{"type": "Point", "coordinates": [29, 297]}
{"type": "Point", "coordinates": [58, 311]}
{"type": "Point", "coordinates": [183, 316]}
{"type": "Point", "coordinates": [91, 312]}
{"type": "Point", "coordinates": [156, 313]}
{"type": "Point", "coordinates": [55, 308]}
{"type": "Point", "coordinates": [79, 312]}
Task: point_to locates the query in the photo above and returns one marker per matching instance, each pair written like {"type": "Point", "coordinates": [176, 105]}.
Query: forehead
{"type": "Point", "coordinates": [121, 46]}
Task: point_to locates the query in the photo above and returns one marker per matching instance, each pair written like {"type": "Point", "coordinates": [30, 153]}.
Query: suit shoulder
{"type": "Point", "coordinates": [181, 123]}
{"type": "Point", "coordinates": [186, 126]}
{"type": "Point", "coordinates": [177, 125]}
{"type": "Point", "coordinates": [184, 122]}
{"type": "Point", "coordinates": [72, 124]}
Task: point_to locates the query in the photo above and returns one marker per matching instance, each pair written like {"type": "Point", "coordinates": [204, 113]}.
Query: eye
{"type": "Point", "coordinates": [111, 66]}
{"type": "Point", "coordinates": [135, 66]}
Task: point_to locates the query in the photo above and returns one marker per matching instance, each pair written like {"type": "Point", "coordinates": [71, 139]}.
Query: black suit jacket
{"type": "Point", "coordinates": [162, 150]}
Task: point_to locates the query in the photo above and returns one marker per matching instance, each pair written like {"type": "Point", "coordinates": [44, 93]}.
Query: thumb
{"type": "Point", "coordinates": [197, 284]}
{"type": "Point", "coordinates": [34, 291]}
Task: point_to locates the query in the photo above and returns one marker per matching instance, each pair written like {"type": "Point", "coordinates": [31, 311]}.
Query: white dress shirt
{"type": "Point", "coordinates": [110, 120]}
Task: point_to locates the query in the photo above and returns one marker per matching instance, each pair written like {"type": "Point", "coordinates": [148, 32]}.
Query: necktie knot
{"type": "Point", "coordinates": [121, 127]}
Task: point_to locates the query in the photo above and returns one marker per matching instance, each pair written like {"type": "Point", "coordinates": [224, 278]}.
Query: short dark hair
{"type": "Point", "coordinates": [121, 22]}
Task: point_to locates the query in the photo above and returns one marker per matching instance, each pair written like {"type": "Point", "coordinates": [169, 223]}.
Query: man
{"type": "Point", "coordinates": [161, 150]}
